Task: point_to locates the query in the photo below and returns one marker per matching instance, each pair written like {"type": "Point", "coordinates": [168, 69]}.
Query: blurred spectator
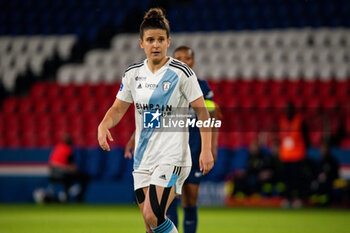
{"type": "Point", "coordinates": [328, 172]}
{"type": "Point", "coordinates": [258, 172]}
{"type": "Point", "coordinates": [274, 184]}
{"type": "Point", "coordinates": [64, 170]}
{"type": "Point", "coordinates": [292, 152]}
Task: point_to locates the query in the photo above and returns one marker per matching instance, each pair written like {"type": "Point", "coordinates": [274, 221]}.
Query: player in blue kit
{"type": "Point", "coordinates": [162, 159]}
{"type": "Point", "coordinates": [190, 188]}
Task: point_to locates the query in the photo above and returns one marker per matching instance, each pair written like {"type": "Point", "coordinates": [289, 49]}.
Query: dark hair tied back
{"type": "Point", "coordinates": [154, 13]}
{"type": "Point", "coordinates": [154, 19]}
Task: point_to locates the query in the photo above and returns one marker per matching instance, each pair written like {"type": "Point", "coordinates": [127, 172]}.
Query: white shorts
{"type": "Point", "coordinates": [163, 175]}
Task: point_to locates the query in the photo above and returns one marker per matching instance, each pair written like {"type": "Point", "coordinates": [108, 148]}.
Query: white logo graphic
{"type": "Point", "coordinates": [166, 85]}
{"type": "Point", "coordinates": [151, 120]}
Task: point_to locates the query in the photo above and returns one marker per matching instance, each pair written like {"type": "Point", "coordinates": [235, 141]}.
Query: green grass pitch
{"type": "Point", "coordinates": [125, 219]}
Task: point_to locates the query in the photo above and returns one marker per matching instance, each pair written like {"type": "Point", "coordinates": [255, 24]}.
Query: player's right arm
{"type": "Point", "coordinates": [111, 119]}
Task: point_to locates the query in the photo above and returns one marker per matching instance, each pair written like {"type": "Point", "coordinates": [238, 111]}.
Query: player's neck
{"type": "Point", "coordinates": [155, 66]}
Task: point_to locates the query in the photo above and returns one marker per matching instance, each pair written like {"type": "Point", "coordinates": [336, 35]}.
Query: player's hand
{"type": "Point", "coordinates": [206, 161]}
{"type": "Point", "coordinates": [102, 135]}
{"type": "Point", "coordinates": [129, 149]}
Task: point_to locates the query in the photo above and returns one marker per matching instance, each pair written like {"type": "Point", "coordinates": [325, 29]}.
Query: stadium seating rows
{"type": "Point", "coordinates": [248, 108]}
{"type": "Point", "coordinates": [51, 111]}
{"type": "Point", "coordinates": [19, 54]}
{"type": "Point", "coordinates": [278, 54]}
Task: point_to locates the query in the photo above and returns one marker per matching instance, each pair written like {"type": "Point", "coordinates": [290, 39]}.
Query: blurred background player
{"type": "Point", "coordinates": [258, 172]}
{"type": "Point", "coordinates": [64, 170]}
{"type": "Point", "coordinates": [191, 186]}
{"type": "Point", "coordinates": [162, 160]}
{"type": "Point", "coordinates": [293, 144]}
{"type": "Point", "coordinates": [327, 173]}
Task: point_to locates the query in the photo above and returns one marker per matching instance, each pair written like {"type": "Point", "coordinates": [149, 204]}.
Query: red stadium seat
{"type": "Point", "coordinates": [277, 88]}
{"type": "Point", "coordinates": [28, 139]}
{"type": "Point", "coordinates": [69, 92]}
{"type": "Point", "coordinates": [10, 105]}
{"type": "Point", "coordinates": [101, 91]}
{"type": "Point", "coordinates": [345, 143]}
{"type": "Point", "coordinates": [2, 141]}
{"type": "Point", "coordinates": [12, 132]}
{"type": "Point", "coordinates": [245, 88]}
{"type": "Point", "coordinates": [2, 124]}
{"type": "Point", "coordinates": [39, 91]}
{"type": "Point", "coordinates": [56, 106]}
{"type": "Point", "coordinates": [53, 91]}
{"type": "Point", "coordinates": [88, 106]}
{"type": "Point", "coordinates": [309, 89]}
{"type": "Point", "coordinates": [247, 102]}
{"type": "Point", "coordinates": [315, 138]}
{"type": "Point", "coordinates": [293, 88]}
{"type": "Point", "coordinates": [43, 122]}
{"type": "Point", "coordinates": [326, 89]}
{"type": "Point", "coordinates": [342, 90]}
{"type": "Point", "coordinates": [59, 122]}
{"type": "Point", "coordinates": [73, 106]}
{"type": "Point", "coordinates": [86, 92]}
{"type": "Point", "coordinates": [261, 88]}
{"type": "Point", "coordinates": [41, 106]}
{"type": "Point", "coordinates": [234, 140]}
{"type": "Point", "coordinates": [330, 103]}
{"type": "Point", "coordinates": [25, 106]}
{"type": "Point", "coordinates": [264, 102]}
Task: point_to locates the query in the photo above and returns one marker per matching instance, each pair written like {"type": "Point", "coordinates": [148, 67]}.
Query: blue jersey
{"type": "Point", "coordinates": [195, 137]}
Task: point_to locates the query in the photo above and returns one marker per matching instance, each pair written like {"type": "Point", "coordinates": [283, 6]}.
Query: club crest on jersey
{"type": "Point", "coordinates": [166, 85]}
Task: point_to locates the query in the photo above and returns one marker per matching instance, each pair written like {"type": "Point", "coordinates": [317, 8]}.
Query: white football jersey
{"type": "Point", "coordinates": [173, 86]}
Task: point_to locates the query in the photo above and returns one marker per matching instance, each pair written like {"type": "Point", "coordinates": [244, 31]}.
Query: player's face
{"type": "Point", "coordinates": [185, 56]}
{"type": "Point", "coordinates": [155, 44]}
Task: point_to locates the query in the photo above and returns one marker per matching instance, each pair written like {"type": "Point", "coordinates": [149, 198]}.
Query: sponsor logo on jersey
{"type": "Point", "coordinates": [151, 119]}
{"type": "Point", "coordinates": [163, 177]}
{"type": "Point", "coordinates": [138, 78]}
{"type": "Point", "coordinates": [151, 86]}
{"type": "Point", "coordinates": [139, 86]}
{"type": "Point", "coordinates": [154, 107]}
{"type": "Point", "coordinates": [121, 87]}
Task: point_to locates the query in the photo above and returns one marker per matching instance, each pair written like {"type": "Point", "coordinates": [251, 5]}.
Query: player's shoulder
{"type": "Point", "coordinates": [181, 67]}
{"type": "Point", "coordinates": [207, 92]}
{"type": "Point", "coordinates": [203, 83]}
{"type": "Point", "coordinates": [134, 67]}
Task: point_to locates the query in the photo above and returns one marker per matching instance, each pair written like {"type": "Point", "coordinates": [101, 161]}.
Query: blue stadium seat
{"type": "Point", "coordinates": [239, 160]}
{"type": "Point", "coordinates": [93, 162]}
{"type": "Point", "coordinates": [113, 165]}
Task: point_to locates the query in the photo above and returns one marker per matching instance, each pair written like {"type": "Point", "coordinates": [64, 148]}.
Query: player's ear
{"type": "Point", "coordinates": [168, 41]}
{"type": "Point", "coordinates": [141, 43]}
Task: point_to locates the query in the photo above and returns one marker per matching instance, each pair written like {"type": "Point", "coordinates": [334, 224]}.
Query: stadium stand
{"type": "Point", "coordinates": [71, 55]}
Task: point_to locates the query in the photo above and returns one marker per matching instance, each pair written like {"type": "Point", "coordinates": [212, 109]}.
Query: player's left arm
{"type": "Point", "coordinates": [211, 106]}
{"type": "Point", "coordinates": [206, 160]}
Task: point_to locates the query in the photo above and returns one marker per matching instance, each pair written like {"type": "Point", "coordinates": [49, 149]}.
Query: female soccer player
{"type": "Point", "coordinates": [190, 188]}
{"type": "Point", "coordinates": [162, 159]}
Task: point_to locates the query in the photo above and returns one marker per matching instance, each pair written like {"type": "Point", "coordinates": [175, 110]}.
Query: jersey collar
{"type": "Point", "coordinates": [165, 66]}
